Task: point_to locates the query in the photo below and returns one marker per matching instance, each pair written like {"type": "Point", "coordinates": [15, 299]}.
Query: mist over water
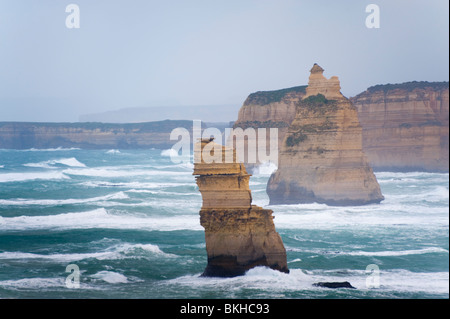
{"type": "Point", "coordinates": [130, 221]}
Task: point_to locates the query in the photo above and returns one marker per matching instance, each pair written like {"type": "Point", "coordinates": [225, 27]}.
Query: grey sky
{"type": "Point", "coordinates": [139, 53]}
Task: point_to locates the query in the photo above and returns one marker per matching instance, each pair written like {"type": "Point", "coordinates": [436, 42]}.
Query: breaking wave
{"type": "Point", "coordinates": [56, 202]}
{"type": "Point", "coordinates": [21, 177]}
{"type": "Point", "coordinates": [116, 252]}
{"type": "Point", "coordinates": [99, 218]}
{"type": "Point", "coordinates": [71, 162]}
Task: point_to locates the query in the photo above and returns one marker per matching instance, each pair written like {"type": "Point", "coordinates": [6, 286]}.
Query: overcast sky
{"type": "Point", "coordinates": [205, 52]}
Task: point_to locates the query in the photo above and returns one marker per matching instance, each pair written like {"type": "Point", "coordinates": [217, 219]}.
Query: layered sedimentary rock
{"type": "Point", "coordinates": [406, 126]}
{"type": "Point", "coordinates": [25, 135]}
{"type": "Point", "coordinates": [319, 84]}
{"type": "Point", "coordinates": [321, 158]}
{"type": "Point", "coordinates": [238, 235]}
{"type": "Point", "coordinates": [267, 109]}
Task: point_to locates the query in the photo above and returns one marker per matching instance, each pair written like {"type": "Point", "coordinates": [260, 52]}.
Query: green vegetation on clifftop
{"type": "Point", "coordinates": [409, 86]}
{"type": "Point", "coordinates": [267, 97]}
{"type": "Point", "coordinates": [318, 103]}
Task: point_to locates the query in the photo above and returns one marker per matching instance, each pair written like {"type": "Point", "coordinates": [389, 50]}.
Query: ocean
{"type": "Point", "coordinates": [128, 221]}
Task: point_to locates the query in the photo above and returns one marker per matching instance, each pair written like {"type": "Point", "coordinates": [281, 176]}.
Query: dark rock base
{"type": "Point", "coordinates": [344, 284]}
{"type": "Point", "coordinates": [227, 266]}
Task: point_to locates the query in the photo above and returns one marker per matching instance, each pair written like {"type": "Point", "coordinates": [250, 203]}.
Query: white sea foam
{"type": "Point", "coordinates": [100, 218]}
{"type": "Point", "coordinates": [2, 166]}
{"type": "Point", "coordinates": [33, 283]}
{"type": "Point", "coordinates": [42, 284]}
{"type": "Point", "coordinates": [175, 194]}
{"type": "Point", "coordinates": [398, 176]}
{"type": "Point", "coordinates": [40, 165]}
{"type": "Point", "coordinates": [407, 281]}
{"type": "Point", "coordinates": [134, 185]}
{"type": "Point", "coordinates": [187, 165]}
{"type": "Point", "coordinates": [56, 202]}
{"type": "Point", "coordinates": [388, 213]}
{"type": "Point", "coordinates": [272, 282]}
{"type": "Point", "coordinates": [177, 204]}
{"type": "Point", "coordinates": [113, 152]}
{"type": "Point", "coordinates": [71, 162]}
{"type": "Point", "coordinates": [143, 191]}
{"type": "Point", "coordinates": [294, 260]}
{"type": "Point", "coordinates": [115, 252]}
{"type": "Point", "coordinates": [169, 152]}
{"type": "Point", "coordinates": [438, 193]}
{"type": "Point", "coordinates": [397, 253]}
{"type": "Point", "coordinates": [21, 177]}
{"type": "Point", "coordinates": [110, 277]}
{"type": "Point", "coordinates": [51, 149]}
{"type": "Point", "coordinates": [117, 172]}
{"type": "Point", "coordinates": [265, 169]}
{"type": "Point", "coordinates": [259, 278]}
{"type": "Point", "coordinates": [387, 253]}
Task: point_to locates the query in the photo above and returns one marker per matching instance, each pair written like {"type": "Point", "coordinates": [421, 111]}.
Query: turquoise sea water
{"type": "Point", "coordinates": [129, 221]}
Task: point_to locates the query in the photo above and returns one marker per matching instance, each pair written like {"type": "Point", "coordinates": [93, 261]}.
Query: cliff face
{"type": "Point", "coordinates": [406, 126]}
{"type": "Point", "coordinates": [268, 109]}
{"type": "Point", "coordinates": [15, 135]}
{"type": "Point", "coordinates": [321, 158]}
{"type": "Point", "coordinates": [238, 235]}
{"type": "Point", "coordinates": [274, 106]}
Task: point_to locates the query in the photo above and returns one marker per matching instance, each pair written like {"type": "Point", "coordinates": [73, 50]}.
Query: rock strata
{"type": "Point", "coordinates": [25, 135]}
{"type": "Point", "coordinates": [267, 109]}
{"type": "Point", "coordinates": [238, 235]}
{"type": "Point", "coordinates": [319, 84]}
{"type": "Point", "coordinates": [406, 126]}
{"type": "Point", "coordinates": [321, 158]}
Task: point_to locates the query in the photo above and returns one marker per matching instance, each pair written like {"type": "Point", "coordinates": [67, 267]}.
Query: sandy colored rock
{"type": "Point", "coordinates": [319, 84]}
{"type": "Point", "coordinates": [267, 109]}
{"type": "Point", "coordinates": [321, 158]}
{"type": "Point", "coordinates": [238, 235]}
{"type": "Point", "coordinates": [406, 126]}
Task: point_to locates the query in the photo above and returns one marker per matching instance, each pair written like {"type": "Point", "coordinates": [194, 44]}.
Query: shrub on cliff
{"type": "Point", "coordinates": [295, 138]}
{"type": "Point", "coordinates": [408, 86]}
{"type": "Point", "coordinates": [267, 97]}
{"type": "Point", "coordinates": [318, 103]}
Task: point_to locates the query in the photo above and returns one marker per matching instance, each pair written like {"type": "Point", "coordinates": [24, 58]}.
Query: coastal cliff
{"type": "Point", "coordinates": [267, 109]}
{"type": "Point", "coordinates": [406, 126]}
{"type": "Point", "coordinates": [321, 158]}
{"type": "Point", "coordinates": [238, 235]}
{"type": "Point", "coordinates": [22, 135]}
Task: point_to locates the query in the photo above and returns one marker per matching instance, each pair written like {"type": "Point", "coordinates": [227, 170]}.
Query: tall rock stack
{"type": "Point", "coordinates": [238, 235]}
{"type": "Point", "coordinates": [321, 158]}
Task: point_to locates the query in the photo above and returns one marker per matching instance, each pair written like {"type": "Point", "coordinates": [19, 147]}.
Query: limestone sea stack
{"type": "Point", "coordinates": [321, 157]}
{"type": "Point", "coordinates": [238, 235]}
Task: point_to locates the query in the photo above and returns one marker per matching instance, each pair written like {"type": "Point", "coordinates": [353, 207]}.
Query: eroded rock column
{"type": "Point", "coordinates": [238, 235]}
{"type": "Point", "coordinates": [321, 158]}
